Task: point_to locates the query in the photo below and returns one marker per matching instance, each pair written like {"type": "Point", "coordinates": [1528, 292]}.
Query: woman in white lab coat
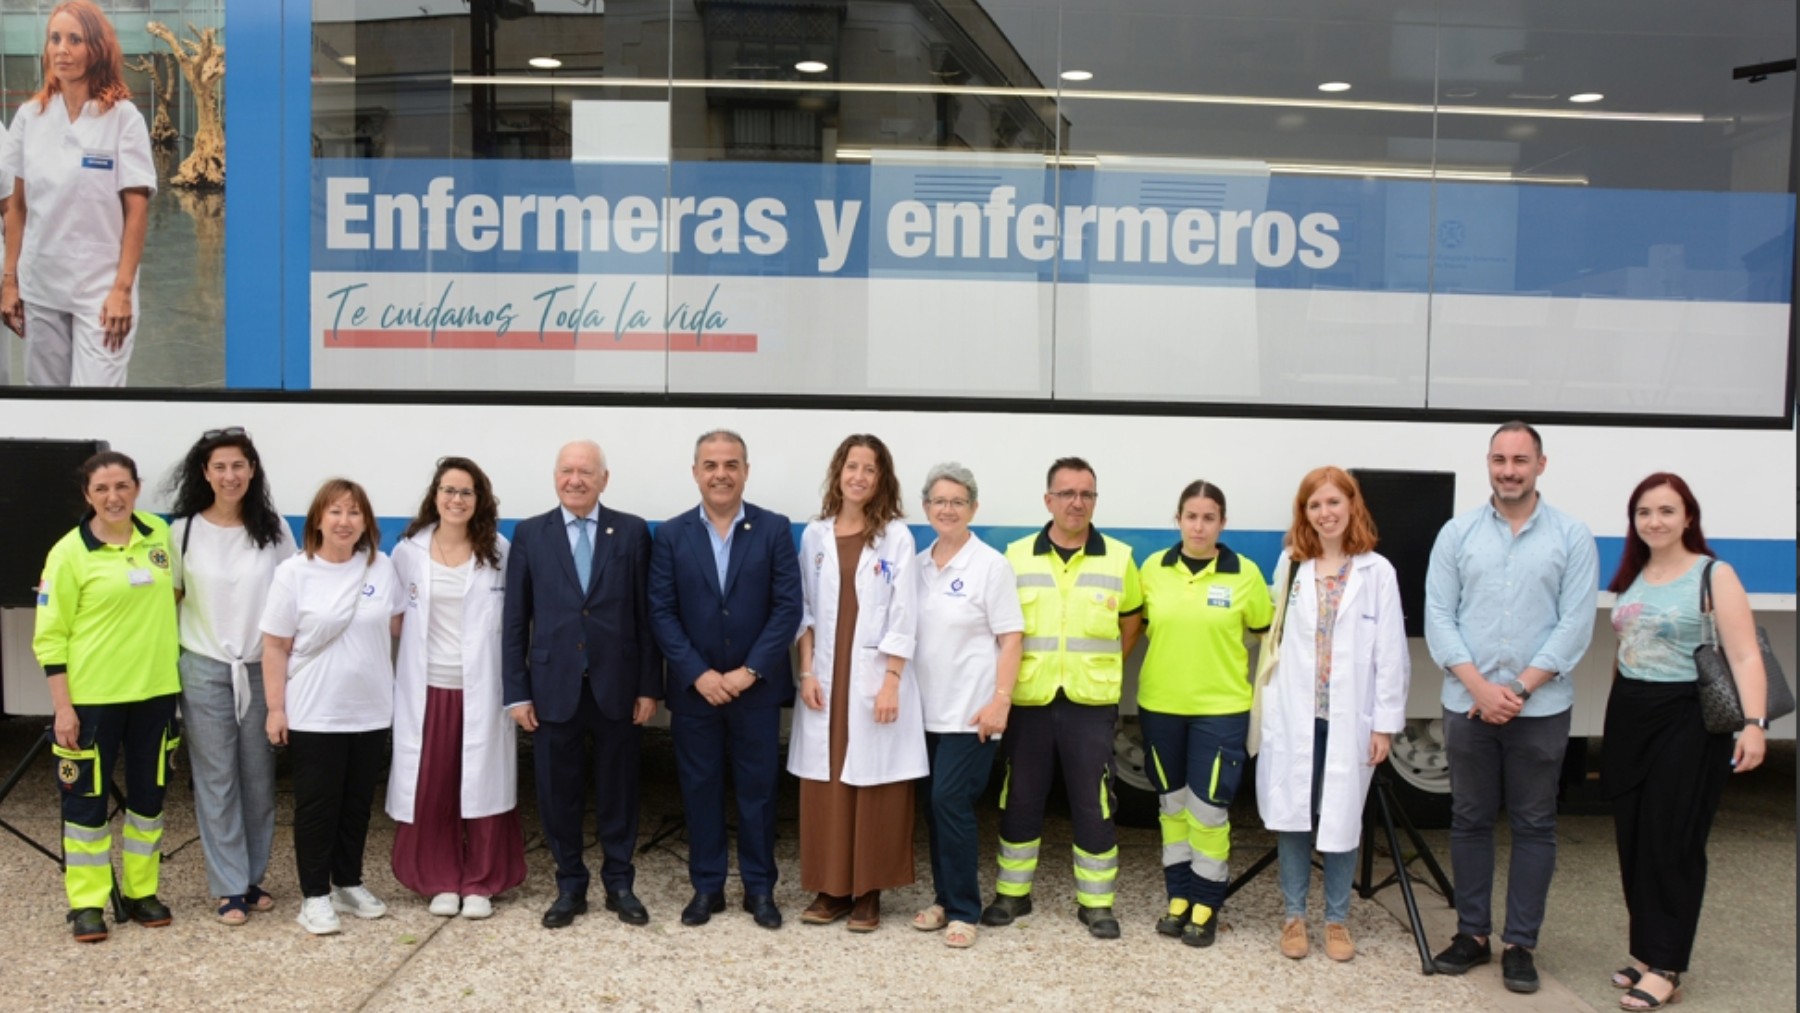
{"type": "Point", "coordinates": [79, 155]}
{"type": "Point", "coordinates": [453, 785]}
{"type": "Point", "coordinates": [859, 737]}
{"type": "Point", "coordinates": [1337, 697]}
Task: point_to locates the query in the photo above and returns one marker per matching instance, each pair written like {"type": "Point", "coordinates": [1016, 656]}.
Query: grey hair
{"type": "Point", "coordinates": [950, 471]}
{"type": "Point", "coordinates": [721, 434]}
{"type": "Point", "coordinates": [599, 452]}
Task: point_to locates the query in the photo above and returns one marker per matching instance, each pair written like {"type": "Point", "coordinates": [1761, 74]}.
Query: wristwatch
{"type": "Point", "coordinates": [1519, 690]}
{"type": "Point", "coordinates": [752, 672]}
{"type": "Point", "coordinates": [1762, 723]}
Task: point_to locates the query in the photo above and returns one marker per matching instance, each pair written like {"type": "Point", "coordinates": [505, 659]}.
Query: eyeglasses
{"type": "Point", "coordinates": [452, 492]}
{"type": "Point", "coordinates": [214, 434]}
{"type": "Point", "coordinates": [1065, 495]}
{"type": "Point", "coordinates": [954, 504]}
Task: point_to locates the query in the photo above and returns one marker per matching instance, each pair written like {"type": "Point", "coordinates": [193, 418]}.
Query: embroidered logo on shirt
{"type": "Point", "coordinates": [159, 557]}
{"type": "Point", "coordinates": [956, 589]}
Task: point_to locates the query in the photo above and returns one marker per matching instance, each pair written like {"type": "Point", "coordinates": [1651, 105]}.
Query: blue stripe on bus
{"type": "Point", "coordinates": [1766, 565]}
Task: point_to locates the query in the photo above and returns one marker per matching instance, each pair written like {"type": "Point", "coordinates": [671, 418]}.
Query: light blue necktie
{"type": "Point", "coordinates": [584, 553]}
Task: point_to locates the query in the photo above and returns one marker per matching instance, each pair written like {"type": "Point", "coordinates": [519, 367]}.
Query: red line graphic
{"type": "Point", "coordinates": [527, 341]}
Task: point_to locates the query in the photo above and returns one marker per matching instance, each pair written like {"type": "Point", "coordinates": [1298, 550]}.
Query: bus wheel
{"type": "Point", "coordinates": [1419, 766]}
{"type": "Point", "coordinates": [1136, 795]}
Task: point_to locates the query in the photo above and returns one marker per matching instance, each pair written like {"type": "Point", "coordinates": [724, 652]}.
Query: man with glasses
{"type": "Point", "coordinates": [1080, 595]}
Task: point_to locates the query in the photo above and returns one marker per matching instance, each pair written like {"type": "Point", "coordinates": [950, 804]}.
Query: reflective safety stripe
{"type": "Point", "coordinates": [90, 835]}
{"type": "Point", "coordinates": [1018, 864]}
{"type": "Point", "coordinates": [1091, 645]}
{"type": "Point", "coordinates": [1176, 853]}
{"type": "Point", "coordinates": [1035, 580]}
{"type": "Point", "coordinates": [1039, 643]}
{"type": "Point", "coordinates": [1108, 862]}
{"type": "Point", "coordinates": [1206, 814]}
{"type": "Point", "coordinates": [1019, 852]}
{"type": "Point", "coordinates": [1016, 876]}
{"type": "Point", "coordinates": [82, 858]}
{"type": "Point", "coordinates": [148, 825]}
{"type": "Point", "coordinates": [1214, 869]}
{"type": "Point", "coordinates": [1095, 887]}
{"type": "Point", "coordinates": [1105, 580]}
{"type": "Point", "coordinates": [1172, 804]}
{"type": "Point", "coordinates": [1162, 778]}
{"type": "Point", "coordinates": [133, 846]}
{"type": "Point", "coordinates": [1005, 786]}
{"type": "Point", "coordinates": [1105, 795]}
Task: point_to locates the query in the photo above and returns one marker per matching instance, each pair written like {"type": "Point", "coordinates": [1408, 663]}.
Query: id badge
{"type": "Point", "coordinates": [97, 160]}
{"type": "Point", "coordinates": [140, 577]}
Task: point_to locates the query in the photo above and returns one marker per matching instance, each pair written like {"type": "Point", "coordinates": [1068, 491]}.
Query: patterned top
{"type": "Point", "coordinates": [1331, 592]}
{"type": "Point", "coordinates": [1659, 626]}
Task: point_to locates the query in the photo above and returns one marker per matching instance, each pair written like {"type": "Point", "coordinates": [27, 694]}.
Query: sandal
{"type": "Point", "coordinates": [931, 919]}
{"type": "Point", "coordinates": [960, 935]}
{"type": "Point", "coordinates": [1638, 999]}
{"type": "Point", "coordinates": [259, 899]}
{"type": "Point", "coordinates": [1627, 977]}
{"type": "Point", "coordinates": [233, 910]}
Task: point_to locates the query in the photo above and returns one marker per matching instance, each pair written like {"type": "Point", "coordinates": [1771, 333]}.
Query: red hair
{"type": "Point", "coordinates": [1636, 554]}
{"type": "Point", "coordinates": [1359, 535]}
{"type": "Point", "coordinates": [106, 65]}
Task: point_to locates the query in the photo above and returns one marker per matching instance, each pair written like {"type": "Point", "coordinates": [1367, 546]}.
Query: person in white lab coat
{"type": "Point", "coordinates": [858, 739]}
{"type": "Point", "coordinates": [453, 785]}
{"type": "Point", "coordinates": [1336, 699]}
{"type": "Point", "coordinates": [79, 156]}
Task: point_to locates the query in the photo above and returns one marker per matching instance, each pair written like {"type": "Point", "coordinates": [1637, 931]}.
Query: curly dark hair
{"type": "Point", "coordinates": [484, 522]}
{"type": "Point", "coordinates": [192, 493]}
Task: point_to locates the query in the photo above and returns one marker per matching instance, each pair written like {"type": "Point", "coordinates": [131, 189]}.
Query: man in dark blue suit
{"type": "Point", "coordinates": [725, 606]}
{"type": "Point", "coordinates": [579, 659]}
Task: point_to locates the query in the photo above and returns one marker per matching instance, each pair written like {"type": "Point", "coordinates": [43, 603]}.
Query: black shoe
{"type": "Point", "coordinates": [1517, 970]}
{"type": "Point", "coordinates": [1006, 908]}
{"type": "Point", "coordinates": [1173, 922]}
{"type": "Point", "coordinates": [699, 910]}
{"type": "Point", "coordinates": [148, 911]}
{"type": "Point", "coordinates": [562, 913]}
{"type": "Point", "coordinates": [1463, 953]}
{"type": "Point", "coordinates": [89, 924]}
{"type": "Point", "coordinates": [763, 910]}
{"type": "Point", "coordinates": [631, 910]}
{"type": "Point", "coordinates": [1100, 922]}
{"type": "Point", "coordinates": [1201, 934]}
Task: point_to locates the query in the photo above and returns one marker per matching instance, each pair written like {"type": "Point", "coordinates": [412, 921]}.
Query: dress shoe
{"type": "Point", "coordinates": [630, 910]}
{"type": "Point", "coordinates": [865, 914]}
{"type": "Point", "coordinates": [562, 913]}
{"type": "Point", "coordinates": [825, 909]}
{"type": "Point", "coordinates": [763, 910]}
{"type": "Point", "coordinates": [1100, 922]}
{"type": "Point", "coordinates": [701, 909]}
{"type": "Point", "coordinates": [1006, 908]}
{"type": "Point", "coordinates": [89, 924]}
{"type": "Point", "coordinates": [149, 911]}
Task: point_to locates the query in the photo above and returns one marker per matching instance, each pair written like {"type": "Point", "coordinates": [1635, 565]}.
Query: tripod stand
{"type": "Point", "coordinates": [37, 749]}
{"type": "Point", "coordinates": [1386, 806]}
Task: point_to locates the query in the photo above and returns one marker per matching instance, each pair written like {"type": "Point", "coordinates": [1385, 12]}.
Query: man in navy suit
{"type": "Point", "coordinates": [579, 659]}
{"type": "Point", "coordinates": [725, 606]}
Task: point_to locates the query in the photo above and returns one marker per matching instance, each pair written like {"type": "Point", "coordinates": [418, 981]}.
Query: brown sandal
{"type": "Point", "coordinates": [865, 916]}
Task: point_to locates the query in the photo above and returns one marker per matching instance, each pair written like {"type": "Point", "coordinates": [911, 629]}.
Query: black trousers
{"type": "Point", "coordinates": [140, 732]}
{"type": "Point", "coordinates": [1665, 774]}
{"type": "Point", "coordinates": [557, 755]}
{"type": "Point", "coordinates": [334, 790]}
{"type": "Point", "coordinates": [1077, 737]}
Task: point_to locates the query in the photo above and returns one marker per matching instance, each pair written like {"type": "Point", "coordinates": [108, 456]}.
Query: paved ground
{"type": "Point", "coordinates": [410, 959]}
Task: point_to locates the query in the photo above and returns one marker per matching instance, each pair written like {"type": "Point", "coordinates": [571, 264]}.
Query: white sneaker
{"type": "Point", "coordinates": [317, 917]}
{"type": "Point", "coordinates": [474, 906]}
{"type": "Point", "coordinates": [445, 905]}
{"type": "Point", "coordinates": [358, 901]}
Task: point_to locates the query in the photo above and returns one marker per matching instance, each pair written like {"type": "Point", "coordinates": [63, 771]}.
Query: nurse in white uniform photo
{"type": "Point", "coordinates": [78, 155]}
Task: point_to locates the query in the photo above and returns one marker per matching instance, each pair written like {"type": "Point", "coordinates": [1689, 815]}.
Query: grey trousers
{"type": "Point", "coordinates": [69, 350]}
{"type": "Point", "coordinates": [234, 774]}
{"type": "Point", "coordinates": [1519, 764]}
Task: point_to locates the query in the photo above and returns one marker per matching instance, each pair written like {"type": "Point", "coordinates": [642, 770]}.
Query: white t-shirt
{"type": "Point", "coordinates": [962, 609]}
{"type": "Point", "coordinates": [73, 173]}
{"type": "Point", "coordinates": [443, 629]}
{"type": "Point", "coordinates": [341, 683]}
{"type": "Point", "coordinates": [225, 580]}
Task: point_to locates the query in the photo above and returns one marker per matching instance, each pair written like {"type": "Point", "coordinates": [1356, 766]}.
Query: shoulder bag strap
{"type": "Point", "coordinates": [1709, 628]}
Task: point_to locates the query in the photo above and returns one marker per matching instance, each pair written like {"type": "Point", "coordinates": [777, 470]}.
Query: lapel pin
{"type": "Point", "coordinates": [746, 525]}
{"type": "Point", "coordinates": [609, 531]}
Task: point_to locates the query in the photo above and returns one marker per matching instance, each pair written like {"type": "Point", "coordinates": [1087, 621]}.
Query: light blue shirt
{"type": "Point", "coordinates": [1504, 602]}
{"type": "Point", "coordinates": [574, 533]}
{"type": "Point", "coordinates": [721, 546]}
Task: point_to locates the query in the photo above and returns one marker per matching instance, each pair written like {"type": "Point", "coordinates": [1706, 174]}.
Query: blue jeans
{"type": "Point", "coordinates": [1295, 848]}
{"type": "Point", "coordinates": [234, 774]}
{"type": "Point", "coordinates": [960, 766]}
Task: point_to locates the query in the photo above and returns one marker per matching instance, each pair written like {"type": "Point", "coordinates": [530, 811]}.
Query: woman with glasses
{"type": "Point", "coordinates": [231, 539]}
{"type": "Point", "coordinates": [1200, 599]}
{"type": "Point", "coordinates": [453, 785]}
{"type": "Point", "coordinates": [966, 660]}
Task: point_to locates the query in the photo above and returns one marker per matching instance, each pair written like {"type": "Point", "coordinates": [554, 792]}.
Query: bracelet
{"type": "Point", "coordinates": [806, 675]}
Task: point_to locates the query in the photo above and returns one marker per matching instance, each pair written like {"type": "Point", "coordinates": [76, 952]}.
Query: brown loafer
{"type": "Point", "coordinates": [825, 909]}
{"type": "Point", "coordinates": [866, 915]}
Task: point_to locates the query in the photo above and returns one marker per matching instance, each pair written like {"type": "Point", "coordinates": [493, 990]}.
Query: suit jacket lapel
{"type": "Point", "coordinates": [740, 548]}
{"type": "Point", "coordinates": [699, 542]}
{"type": "Point", "coordinates": [602, 547]}
{"type": "Point", "coordinates": [559, 543]}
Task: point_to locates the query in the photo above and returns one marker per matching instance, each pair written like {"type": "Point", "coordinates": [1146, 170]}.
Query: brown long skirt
{"type": "Point", "coordinates": [852, 839]}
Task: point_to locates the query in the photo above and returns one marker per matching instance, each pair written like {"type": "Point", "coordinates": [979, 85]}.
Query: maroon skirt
{"type": "Point", "coordinates": [440, 851]}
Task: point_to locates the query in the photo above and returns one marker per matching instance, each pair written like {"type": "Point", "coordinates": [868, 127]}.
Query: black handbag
{"type": "Point", "coordinates": [1720, 707]}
